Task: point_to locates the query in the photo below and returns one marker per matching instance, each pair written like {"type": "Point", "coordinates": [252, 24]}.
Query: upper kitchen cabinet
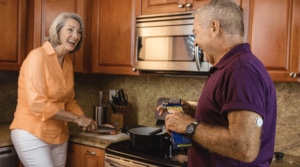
{"type": "Point", "coordinates": [272, 29]}
{"type": "Point", "coordinates": [168, 6]}
{"type": "Point", "coordinates": [13, 19]}
{"type": "Point", "coordinates": [43, 13]}
{"type": "Point", "coordinates": [113, 26]}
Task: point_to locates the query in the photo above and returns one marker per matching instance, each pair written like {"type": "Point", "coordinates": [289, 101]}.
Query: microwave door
{"type": "Point", "coordinates": [167, 44]}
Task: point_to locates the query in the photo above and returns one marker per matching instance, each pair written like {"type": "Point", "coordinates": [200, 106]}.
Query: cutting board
{"type": "Point", "coordinates": [114, 138]}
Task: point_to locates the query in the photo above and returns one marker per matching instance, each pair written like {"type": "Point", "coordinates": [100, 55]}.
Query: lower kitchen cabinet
{"type": "Point", "coordinates": [83, 156]}
{"type": "Point", "coordinates": [73, 155]}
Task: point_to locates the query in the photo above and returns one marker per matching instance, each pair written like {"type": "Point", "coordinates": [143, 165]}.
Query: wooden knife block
{"type": "Point", "coordinates": [123, 108]}
{"type": "Point", "coordinates": [117, 120]}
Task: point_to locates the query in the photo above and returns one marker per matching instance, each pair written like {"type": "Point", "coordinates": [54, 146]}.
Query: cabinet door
{"type": "Point", "coordinates": [45, 11]}
{"type": "Point", "coordinates": [73, 158]}
{"type": "Point", "coordinates": [91, 157]}
{"type": "Point", "coordinates": [195, 4]}
{"type": "Point", "coordinates": [113, 37]}
{"type": "Point", "coordinates": [12, 33]}
{"type": "Point", "coordinates": [272, 29]}
{"type": "Point", "coordinates": [168, 6]}
{"type": "Point", "coordinates": [162, 6]}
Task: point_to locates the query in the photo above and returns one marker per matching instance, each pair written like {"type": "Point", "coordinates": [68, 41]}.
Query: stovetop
{"type": "Point", "coordinates": [159, 158]}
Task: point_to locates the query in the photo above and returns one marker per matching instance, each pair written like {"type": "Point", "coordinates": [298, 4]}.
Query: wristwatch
{"type": "Point", "coordinates": [191, 128]}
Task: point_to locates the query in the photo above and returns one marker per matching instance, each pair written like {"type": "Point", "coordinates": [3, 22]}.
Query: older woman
{"type": "Point", "coordinates": [46, 94]}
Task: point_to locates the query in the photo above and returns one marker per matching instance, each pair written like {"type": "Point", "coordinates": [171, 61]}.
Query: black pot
{"type": "Point", "coordinates": [147, 138]}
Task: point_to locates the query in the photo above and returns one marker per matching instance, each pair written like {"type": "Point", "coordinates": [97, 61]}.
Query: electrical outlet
{"type": "Point", "coordinates": [112, 93]}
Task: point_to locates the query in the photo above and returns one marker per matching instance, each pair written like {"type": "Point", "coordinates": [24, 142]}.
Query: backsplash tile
{"type": "Point", "coordinates": [143, 93]}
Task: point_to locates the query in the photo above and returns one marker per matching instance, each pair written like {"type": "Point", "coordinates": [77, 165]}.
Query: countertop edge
{"type": "Point", "coordinates": [5, 139]}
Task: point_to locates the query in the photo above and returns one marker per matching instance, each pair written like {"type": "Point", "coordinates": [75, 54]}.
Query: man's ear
{"type": "Point", "coordinates": [214, 28]}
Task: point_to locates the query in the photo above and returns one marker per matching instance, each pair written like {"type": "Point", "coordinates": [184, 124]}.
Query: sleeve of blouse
{"type": "Point", "coordinates": [72, 105]}
{"type": "Point", "coordinates": [35, 87]}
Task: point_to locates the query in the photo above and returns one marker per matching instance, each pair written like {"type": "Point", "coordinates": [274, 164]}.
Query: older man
{"type": "Point", "coordinates": [235, 121]}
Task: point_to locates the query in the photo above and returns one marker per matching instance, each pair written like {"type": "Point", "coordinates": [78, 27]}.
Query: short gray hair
{"type": "Point", "coordinates": [227, 12]}
{"type": "Point", "coordinates": [58, 23]}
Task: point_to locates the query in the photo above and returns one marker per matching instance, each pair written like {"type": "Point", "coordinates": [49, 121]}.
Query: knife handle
{"type": "Point", "coordinates": [113, 107]}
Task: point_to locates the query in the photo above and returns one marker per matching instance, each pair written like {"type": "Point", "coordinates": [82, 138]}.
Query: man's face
{"type": "Point", "coordinates": [201, 37]}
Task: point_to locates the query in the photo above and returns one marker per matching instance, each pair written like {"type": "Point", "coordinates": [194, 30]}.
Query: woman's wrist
{"type": "Point", "coordinates": [75, 120]}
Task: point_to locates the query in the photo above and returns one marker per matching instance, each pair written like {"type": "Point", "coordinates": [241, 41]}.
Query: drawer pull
{"type": "Point", "coordinates": [180, 5]}
{"type": "Point", "coordinates": [188, 5]}
{"type": "Point", "coordinates": [294, 75]}
{"type": "Point", "coordinates": [91, 152]}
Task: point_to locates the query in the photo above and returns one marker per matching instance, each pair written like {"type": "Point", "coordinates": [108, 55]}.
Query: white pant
{"type": "Point", "coordinates": [33, 152]}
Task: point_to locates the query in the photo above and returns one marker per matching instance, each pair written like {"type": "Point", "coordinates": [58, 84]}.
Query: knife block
{"type": "Point", "coordinates": [117, 120]}
{"type": "Point", "coordinates": [123, 108]}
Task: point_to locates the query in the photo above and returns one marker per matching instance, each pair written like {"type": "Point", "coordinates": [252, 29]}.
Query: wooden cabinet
{"type": "Point", "coordinates": [13, 19]}
{"type": "Point", "coordinates": [73, 156]}
{"type": "Point", "coordinates": [169, 6]}
{"type": "Point", "coordinates": [272, 29]}
{"type": "Point", "coordinates": [113, 27]}
{"type": "Point", "coordinates": [83, 156]}
{"type": "Point", "coordinates": [91, 157]}
{"type": "Point", "coordinates": [43, 13]}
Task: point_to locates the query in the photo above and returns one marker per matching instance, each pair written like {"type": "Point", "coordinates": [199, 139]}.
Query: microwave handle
{"type": "Point", "coordinates": [197, 58]}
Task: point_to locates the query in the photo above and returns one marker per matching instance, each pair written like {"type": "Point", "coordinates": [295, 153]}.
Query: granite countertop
{"type": "Point", "coordinates": [75, 137]}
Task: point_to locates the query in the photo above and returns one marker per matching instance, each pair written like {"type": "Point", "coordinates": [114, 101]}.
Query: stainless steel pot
{"type": "Point", "coordinates": [147, 138]}
{"type": "Point", "coordinates": [99, 114]}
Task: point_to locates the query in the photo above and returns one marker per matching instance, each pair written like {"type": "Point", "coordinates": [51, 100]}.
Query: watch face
{"type": "Point", "coordinates": [190, 129]}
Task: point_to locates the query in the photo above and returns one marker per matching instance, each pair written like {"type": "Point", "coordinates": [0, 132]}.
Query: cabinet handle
{"type": "Point", "coordinates": [180, 5]}
{"type": "Point", "coordinates": [294, 75]}
{"type": "Point", "coordinates": [91, 152]}
{"type": "Point", "coordinates": [189, 5]}
{"type": "Point", "coordinates": [133, 69]}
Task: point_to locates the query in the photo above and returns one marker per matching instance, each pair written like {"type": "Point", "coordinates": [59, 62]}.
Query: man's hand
{"type": "Point", "coordinates": [177, 121]}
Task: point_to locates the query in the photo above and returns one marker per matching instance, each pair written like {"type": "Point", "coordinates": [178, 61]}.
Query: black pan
{"type": "Point", "coordinates": [147, 138]}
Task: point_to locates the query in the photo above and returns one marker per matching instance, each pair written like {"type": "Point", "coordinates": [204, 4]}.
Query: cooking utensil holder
{"type": "Point", "coordinates": [99, 114]}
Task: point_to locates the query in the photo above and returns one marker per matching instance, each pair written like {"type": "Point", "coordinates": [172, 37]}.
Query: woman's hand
{"type": "Point", "coordinates": [86, 123]}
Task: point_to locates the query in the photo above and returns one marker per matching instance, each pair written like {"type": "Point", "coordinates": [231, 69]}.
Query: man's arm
{"type": "Point", "coordinates": [241, 140]}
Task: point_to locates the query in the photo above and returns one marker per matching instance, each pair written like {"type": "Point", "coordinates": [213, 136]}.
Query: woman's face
{"type": "Point", "coordinates": [70, 35]}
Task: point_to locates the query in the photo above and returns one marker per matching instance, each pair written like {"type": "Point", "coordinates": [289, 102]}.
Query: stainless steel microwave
{"type": "Point", "coordinates": [165, 43]}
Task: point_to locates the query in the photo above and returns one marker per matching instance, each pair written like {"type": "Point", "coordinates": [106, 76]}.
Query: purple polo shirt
{"type": "Point", "coordinates": [238, 82]}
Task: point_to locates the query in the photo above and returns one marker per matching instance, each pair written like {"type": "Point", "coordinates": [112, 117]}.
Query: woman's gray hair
{"type": "Point", "coordinates": [227, 12]}
{"type": "Point", "coordinates": [57, 25]}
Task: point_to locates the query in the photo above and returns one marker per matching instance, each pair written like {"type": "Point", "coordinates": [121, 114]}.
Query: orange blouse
{"type": "Point", "coordinates": [44, 88]}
